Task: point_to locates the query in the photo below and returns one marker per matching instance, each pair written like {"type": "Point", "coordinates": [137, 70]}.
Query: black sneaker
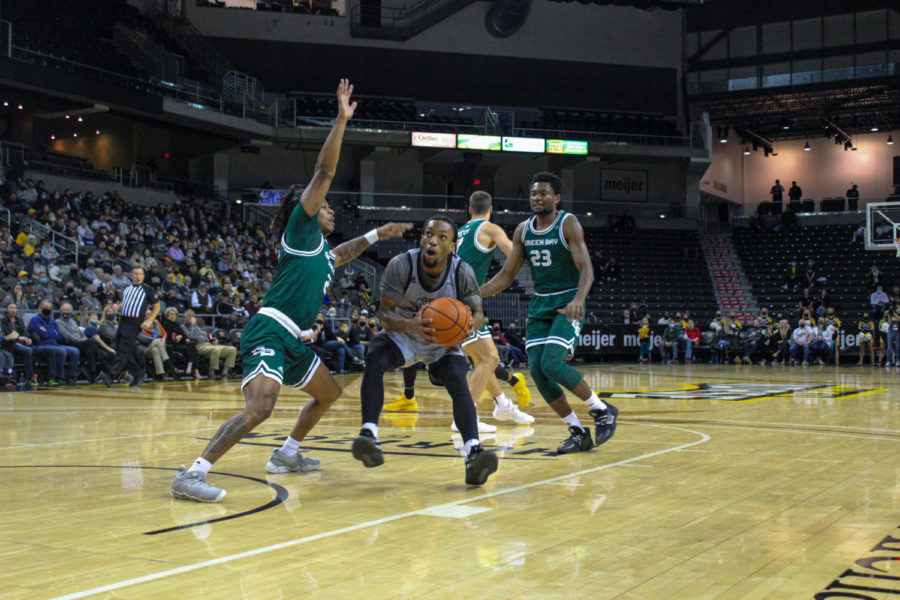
{"type": "Point", "coordinates": [367, 449]}
{"type": "Point", "coordinates": [136, 381]}
{"type": "Point", "coordinates": [104, 377]}
{"type": "Point", "coordinates": [479, 465]}
{"type": "Point", "coordinates": [579, 441]}
{"type": "Point", "coordinates": [604, 423]}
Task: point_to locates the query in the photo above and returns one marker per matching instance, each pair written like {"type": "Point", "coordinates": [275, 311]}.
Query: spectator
{"type": "Point", "coordinates": [893, 336]}
{"type": "Point", "coordinates": [152, 341]}
{"type": "Point", "coordinates": [16, 340]}
{"type": "Point", "coordinates": [670, 342]}
{"type": "Point", "coordinates": [852, 193]}
{"type": "Point", "coordinates": [515, 338]}
{"type": "Point", "coordinates": [664, 319]}
{"type": "Point", "coordinates": [512, 354]}
{"type": "Point", "coordinates": [73, 336]}
{"type": "Point", "coordinates": [626, 317]}
{"type": "Point", "coordinates": [177, 344]}
{"type": "Point", "coordinates": [644, 340]}
{"type": "Point", "coordinates": [781, 342]}
{"type": "Point", "coordinates": [834, 346]}
{"type": "Point", "coordinates": [202, 300]}
{"type": "Point", "coordinates": [879, 300]}
{"type": "Point", "coordinates": [777, 191]}
{"type": "Point", "coordinates": [793, 277]}
{"type": "Point", "coordinates": [691, 340]}
{"type": "Point", "coordinates": [821, 341]}
{"type": "Point", "coordinates": [801, 339]}
{"type": "Point", "coordinates": [806, 304]}
{"type": "Point", "coordinates": [92, 331]}
{"type": "Point", "coordinates": [343, 337]}
{"type": "Point", "coordinates": [119, 280]}
{"type": "Point", "coordinates": [44, 329]}
{"type": "Point", "coordinates": [175, 253]}
{"type": "Point", "coordinates": [360, 335]}
{"type": "Point", "coordinates": [789, 219]}
{"type": "Point", "coordinates": [809, 276]}
{"type": "Point", "coordinates": [752, 338]}
{"type": "Point", "coordinates": [865, 340]}
{"type": "Point", "coordinates": [794, 193]}
{"type": "Point", "coordinates": [208, 347]}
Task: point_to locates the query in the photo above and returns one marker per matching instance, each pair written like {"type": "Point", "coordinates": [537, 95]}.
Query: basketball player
{"type": "Point", "coordinates": [552, 241]}
{"type": "Point", "coordinates": [271, 345]}
{"type": "Point", "coordinates": [410, 281]}
{"type": "Point", "coordinates": [476, 243]}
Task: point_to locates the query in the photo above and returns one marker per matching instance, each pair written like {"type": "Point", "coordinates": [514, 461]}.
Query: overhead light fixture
{"type": "Point", "coordinates": [590, 213]}
{"type": "Point", "coordinates": [80, 119]}
{"type": "Point", "coordinates": [874, 128]}
{"type": "Point", "coordinates": [6, 103]}
{"type": "Point", "coordinates": [97, 131]}
{"type": "Point", "coordinates": [21, 107]}
{"type": "Point", "coordinates": [68, 117]}
{"type": "Point", "coordinates": [52, 137]}
{"type": "Point", "coordinates": [806, 147]}
{"type": "Point", "coordinates": [74, 135]}
{"type": "Point", "coordinates": [890, 141]}
{"type": "Point", "coordinates": [746, 150]}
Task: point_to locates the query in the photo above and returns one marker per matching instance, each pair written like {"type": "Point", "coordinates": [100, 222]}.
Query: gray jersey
{"type": "Point", "coordinates": [412, 288]}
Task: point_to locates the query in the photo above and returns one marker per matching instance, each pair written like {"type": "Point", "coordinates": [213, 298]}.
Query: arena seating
{"type": "Point", "coordinates": [664, 268]}
{"type": "Point", "coordinates": [766, 256]}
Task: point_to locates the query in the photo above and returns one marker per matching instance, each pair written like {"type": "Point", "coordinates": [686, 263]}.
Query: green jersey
{"type": "Point", "coordinates": [468, 249]}
{"type": "Point", "coordinates": [305, 269]}
{"type": "Point", "coordinates": [552, 266]}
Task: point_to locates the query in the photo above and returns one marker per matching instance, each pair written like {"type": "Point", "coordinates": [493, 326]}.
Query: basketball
{"type": "Point", "coordinates": [450, 320]}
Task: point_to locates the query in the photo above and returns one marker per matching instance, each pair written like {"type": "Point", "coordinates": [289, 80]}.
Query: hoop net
{"type": "Point", "coordinates": [897, 245]}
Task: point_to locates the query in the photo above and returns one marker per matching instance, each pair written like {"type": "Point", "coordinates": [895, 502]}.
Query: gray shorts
{"type": "Point", "coordinates": [415, 351]}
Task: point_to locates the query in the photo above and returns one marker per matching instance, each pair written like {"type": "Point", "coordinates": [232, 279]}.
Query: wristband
{"type": "Point", "coordinates": [372, 236]}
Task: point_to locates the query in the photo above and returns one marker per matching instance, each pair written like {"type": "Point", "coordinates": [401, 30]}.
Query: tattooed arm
{"type": "Point", "coordinates": [350, 250]}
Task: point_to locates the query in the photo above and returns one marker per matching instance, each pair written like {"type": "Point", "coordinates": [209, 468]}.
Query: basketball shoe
{"type": "Point", "coordinates": [480, 463]}
{"type": "Point", "coordinates": [482, 427]}
{"type": "Point", "coordinates": [367, 449]}
{"type": "Point", "coordinates": [279, 462]}
{"type": "Point", "coordinates": [523, 395]}
{"type": "Point", "coordinates": [191, 485]}
{"type": "Point", "coordinates": [512, 414]}
{"type": "Point", "coordinates": [579, 441]}
{"type": "Point", "coordinates": [402, 403]}
{"type": "Point", "coordinates": [604, 423]}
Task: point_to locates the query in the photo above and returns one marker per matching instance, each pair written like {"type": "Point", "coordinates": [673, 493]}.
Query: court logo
{"type": "Point", "coordinates": [742, 392]}
{"type": "Point", "coordinates": [869, 577]}
{"type": "Point", "coordinates": [262, 351]}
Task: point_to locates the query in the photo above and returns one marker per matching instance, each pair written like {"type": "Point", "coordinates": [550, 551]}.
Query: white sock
{"type": "Point", "coordinates": [371, 427]}
{"type": "Point", "coordinates": [594, 402]}
{"type": "Point", "coordinates": [572, 420]}
{"type": "Point", "coordinates": [470, 444]}
{"type": "Point", "coordinates": [202, 465]}
{"type": "Point", "coordinates": [502, 401]}
{"type": "Point", "coordinates": [290, 446]}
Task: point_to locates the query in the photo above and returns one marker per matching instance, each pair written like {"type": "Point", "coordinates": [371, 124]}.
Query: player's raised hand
{"type": "Point", "coordinates": [393, 230]}
{"type": "Point", "coordinates": [345, 107]}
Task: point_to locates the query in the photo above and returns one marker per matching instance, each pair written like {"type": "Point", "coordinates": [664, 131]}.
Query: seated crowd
{"type": "Point", "coordinates": [811, 336]}
{"type": "Point", "coordinates": [210, 271]}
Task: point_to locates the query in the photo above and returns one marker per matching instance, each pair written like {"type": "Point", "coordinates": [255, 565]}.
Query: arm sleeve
{"type": "Point", "coordinates": [467, 287]}
{"type": "Point", "coordinates": [393, 281]}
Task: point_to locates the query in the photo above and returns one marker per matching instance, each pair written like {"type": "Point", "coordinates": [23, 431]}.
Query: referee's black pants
{"type": "Point", "coordinates": [126, 344]}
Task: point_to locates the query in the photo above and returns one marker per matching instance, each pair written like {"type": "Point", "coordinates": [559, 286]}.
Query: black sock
{"type": "Point", "coordinates": [513, 380]}
{"type": "Point", "coordinates": [410, 393]}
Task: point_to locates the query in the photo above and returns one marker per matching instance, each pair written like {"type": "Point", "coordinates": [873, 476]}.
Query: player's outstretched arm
{"type": "Point", "coordinates": [498, 238]}
{"type": "Point", "coordinates": [514, 260]}
{"type": "Point", "coordinates": [575, 237]}
{"type": "Point", "coordinates": [326, 165]}
{"type": "Point", "coordinates": [347, 251]}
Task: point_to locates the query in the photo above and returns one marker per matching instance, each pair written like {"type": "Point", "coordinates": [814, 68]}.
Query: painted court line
{"type": "Point", "coordinates": [335, 532]}
{"type": "Point", "coordinates": [118, 437]}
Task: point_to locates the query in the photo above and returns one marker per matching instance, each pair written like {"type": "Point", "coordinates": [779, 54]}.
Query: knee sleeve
{"type": "Point", "coordinates": [384, 355]}
{"type": "Point", "coordinates": [549, 390]}
{"type": "Point", "coordinates": [409, 374]}
{"type": "Point", "coordinates": [554, 366]}
{"type": "Point", "coordinates": [451, 370]}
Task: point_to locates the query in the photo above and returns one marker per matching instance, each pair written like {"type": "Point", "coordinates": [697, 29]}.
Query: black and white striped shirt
{"type": "Point", "coordinates": [136, 299]}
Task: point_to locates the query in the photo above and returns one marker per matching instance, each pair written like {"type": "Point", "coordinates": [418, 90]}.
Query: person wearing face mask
{"type": "Point", "coordinates": [16, 340]}
{"type": "Point", "coordinates": [670, 342]}
{"type": "Point", "coordinates": [44, 329]}
{"type": "Point", "coordinates": [866, 340]}
{"type": "Point", "coordinates": [73, 336]}
{"type": "Point", "coordinates": [801, 339]}
{"type": "Point", "coordinates": [105, 352]}
{"type": "Point", "coordinates": [43, 289]}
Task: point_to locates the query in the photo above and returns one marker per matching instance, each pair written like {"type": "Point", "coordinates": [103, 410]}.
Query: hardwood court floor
{"type": "Point", "coordinates": [765, 483]}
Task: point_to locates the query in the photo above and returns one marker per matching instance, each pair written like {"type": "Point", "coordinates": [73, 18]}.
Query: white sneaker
{"type": "Point", "coordinates": [482, 427]}
{"type": "Point", "coordinates": [512, 414]}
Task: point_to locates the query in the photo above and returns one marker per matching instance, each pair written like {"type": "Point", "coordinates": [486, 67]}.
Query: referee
{"type": "Point", "coordinates": [135, 300]}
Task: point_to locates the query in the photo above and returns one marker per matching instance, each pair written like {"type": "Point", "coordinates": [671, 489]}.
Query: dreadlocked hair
{"type": "Point", "coordinates": [285, 209]}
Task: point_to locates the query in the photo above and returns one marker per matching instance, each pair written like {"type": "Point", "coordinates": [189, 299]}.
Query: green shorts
{"type": "Point", "coordinates": [483, 333]}
{"type": "Point", "coordinates": [546, 325]}
{"type": "Point", "coordinates": [268, 349]}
